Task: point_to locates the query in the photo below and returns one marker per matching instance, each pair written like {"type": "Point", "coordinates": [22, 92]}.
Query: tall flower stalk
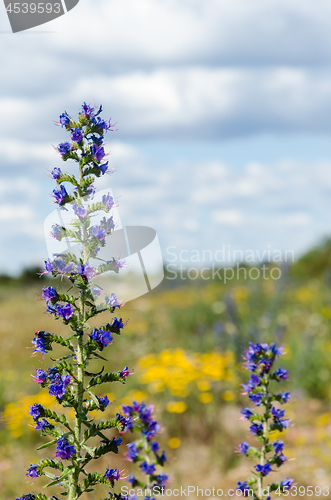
{"type": "Point", "coordinates": [69, 380]}
{"type": "Point", "coordinates": [259, 360]}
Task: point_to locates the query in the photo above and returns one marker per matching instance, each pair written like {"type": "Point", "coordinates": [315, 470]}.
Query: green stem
{"type": "Point", "coordinates": [265, 436]}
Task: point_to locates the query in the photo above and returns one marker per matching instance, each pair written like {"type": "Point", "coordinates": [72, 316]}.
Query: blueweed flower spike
{"type": "Point", "coordinates": [259, 361]}
{"type": "Point", "coordinates": [69, 381]}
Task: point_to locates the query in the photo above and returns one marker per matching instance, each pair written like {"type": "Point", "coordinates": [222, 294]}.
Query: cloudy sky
{"type": "Point", "coordinates": [223, 110]}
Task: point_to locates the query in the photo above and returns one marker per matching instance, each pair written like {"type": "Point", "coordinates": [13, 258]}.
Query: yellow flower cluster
{"type": "Point", "coordinates": [179, 371]}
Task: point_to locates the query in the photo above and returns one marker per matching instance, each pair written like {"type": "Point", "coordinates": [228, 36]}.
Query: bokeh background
{"type": "Point", "coordinates": [223, 110]}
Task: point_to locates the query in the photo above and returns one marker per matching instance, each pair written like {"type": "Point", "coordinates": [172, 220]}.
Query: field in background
{"type": "Point", "coordinates": [184, 343]}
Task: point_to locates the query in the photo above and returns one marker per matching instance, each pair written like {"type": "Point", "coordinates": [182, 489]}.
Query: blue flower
{"type": "Point", "coordinates": [103, 338]}
{"type": "Point", "coordinates": [103, 168]}
{"type": "Point", "coordinates": [278, 446]}
{"type": "Point", "coordinates": [99, 233]}
{"type": "Point", "coordinates": [60, 195]}
{"type": "Point", "coordinates": [277, 413]}
{"type": "Point", "coordinates": [49, 293]}
{"type": "Point", "coordinates": [57, 232]}
{"type": "Point", "coordinates": [256, 398]}
{"type": "Point", "coordinates": [246, 412]}
{"type": "Point", "coordinates": [281, 374]}
{"type": "Point", "coordinates": [132, 452]}
{"type": "Point", "coordinates": [118, 323]}
{"type": "Point", "coordinates": [243, 487]}
{"type": "Point", "coordinates": [161, 480]}
{"type": "Point", "coordinates": [65, 311]}
{"type": "Point", "coordinates": [112, 301]}
{"type": "Point", "coordinates": [64, 148]}
{"type": "Point", "coordinates": [104, 401]}
{"type": "Point", "coordinates": [263, 469]}
{"type": "Point", "coordinates": [77, 135]}
{"type": "Point", "coordinates": [42, 342]}
{"type": "Point", "coordinates": [40, 376]}
{"type": "Point", "coordinates": [81, 212]}
{"type": "Point", "coordinates": [98, 152]}
{"type": "Point", "coordinates": [243, 447]}
{"type": "Point", "coordinates": [64, 450]}
{"type": "Point", "coordinates": [256, 429]}
{"type": "Point", "coordinates": [284, 396]}
{"type": "Point", "coordinates": [29, 496]}
{"type": "Point", "coordinates": [124, 373]}
{"type": "Point", "coordinates": [56, 173]}
{"type": "Point", "coordinates": [148, 468]}
{"type": "Point", "coordinates": [287, 483]}
{"type": "Point", "coordinates": [43, 425]}
{"type": "Point", "coordinates": [91, 191]}
{"type": "Point", "coordinates": [108, 200]}
{"type": "Point", "coordinates": [33, 471]}
{"type": "Point", "coordinates": [35, 411]}
{"type": "Point", "coordinates": [112, 475]}
{"type": "Point", "coordinates": [64, 119]}
{"type": "Point", "coordinates": [58, 387]}
{"type": "Point", "coordinates": [88, 110]}
{"type": "Point", "coordinates": [155, 447]}
{"type": "Point", "coordinates": [107, 224]}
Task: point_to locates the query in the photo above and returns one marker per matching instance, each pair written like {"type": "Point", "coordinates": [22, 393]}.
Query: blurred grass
{"type": "Point", "coordinates": [184, 342]}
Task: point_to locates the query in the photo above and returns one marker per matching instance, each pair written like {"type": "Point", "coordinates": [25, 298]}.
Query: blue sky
{"type": "Point", "coordinates": [223, 109]}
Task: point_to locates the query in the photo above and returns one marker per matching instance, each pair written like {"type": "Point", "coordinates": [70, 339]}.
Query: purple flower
{"type": "Point", "coordinates": [263, 469]}
{"type": "Point", "coordinates": [81, 212]}
{"type": "Point", "coordinates": [99, 233]}
{"type": "Point", "coordinates": [112, 475]}
{"type": "Point", "coordinates": [281, 374]}
{"type": "Point", "coordinates": [43, 425]}
{"type": "Point", "coordinates": [256, 429]}
{"type": "Point", "coordinates": [281, 457]}
{"type": "Point", "coordinates": [56, 173]}
{"type": "Point", "coordinates": [64, 119]}
{"type": "Point", "coordinates": [108, 200]}
{"type": "Point", "coordinates": [112, 301]}
{"type": "Point", "coordinates": [118, 323]}
{"type": "Point", "coordinates": [76, 135]}
{"type": "Point", "coordinates": [243, 447]}
{"type": "Point", "coordinates": [86, 270]}
{"type": "Point", "coordinates": [101, 337]}
{"type": "Point", "coordinates": [87, 110]}
{"type": "Point", "coordinates": [42, 342]}
{"type": "Point", "coordinates": [103, 168]}
{"type": "Point", "coordinates": [65, 311]}
{"type": "Point", "coordinates": [104, 401]}
{"type": "Point", "coordinates": [124, 373]}
{"type": "Point", "coordinates": [155, 447]}
{"type": "Point", "coordinates": [284, 396]}
{"type": "Point", "coordinates": [243, 487]}
{"type": "Point", "coordinates": [32, 471]}
{"type": "Point", "coordinates": [64, 450]}
{"type": "Point", "coordinates": [132, 452]}
{"type": "Point", "coordinates": [148, 468]}
{"type": "Point", "coordinates": [60, 195]}
{"type": "Point", "coordinates": [161, 480]}
{"type": "Point", "coordinates": [277, 413]}
{"type": "Point", "coordinates": [256, 398]}
{"type": "Point", "coordinates": [126, 423]}
{"type": "Point", "coordinates": [50, 307]}
{"type": "Point", "coordinates": [49, 293]}
{"type": "Point", "coordinates": [107, 224]}
{"type": "Point", "coordinates": [35, 411]}
{"type": "Point", "coordinates": [91, 191]}
{"type": "Point", "coordinates": [246, 412]}
{"type": "Point", "coordinates": [98, 152]}
{"type": "Point", "coordinates": [58, 387]}
{"type": "Point", "coordinates": [276, 351]}
{"type": "Point", "coordinates": [287, 483]}
{"type": "Point", "coordinates": [64, 148]}
{"type": "Point", "coordinates": [278, 446]}
{"type": "Point", "coordinates": [57, 232]}
{"type": "Point", "coordinates": [40, 376]}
